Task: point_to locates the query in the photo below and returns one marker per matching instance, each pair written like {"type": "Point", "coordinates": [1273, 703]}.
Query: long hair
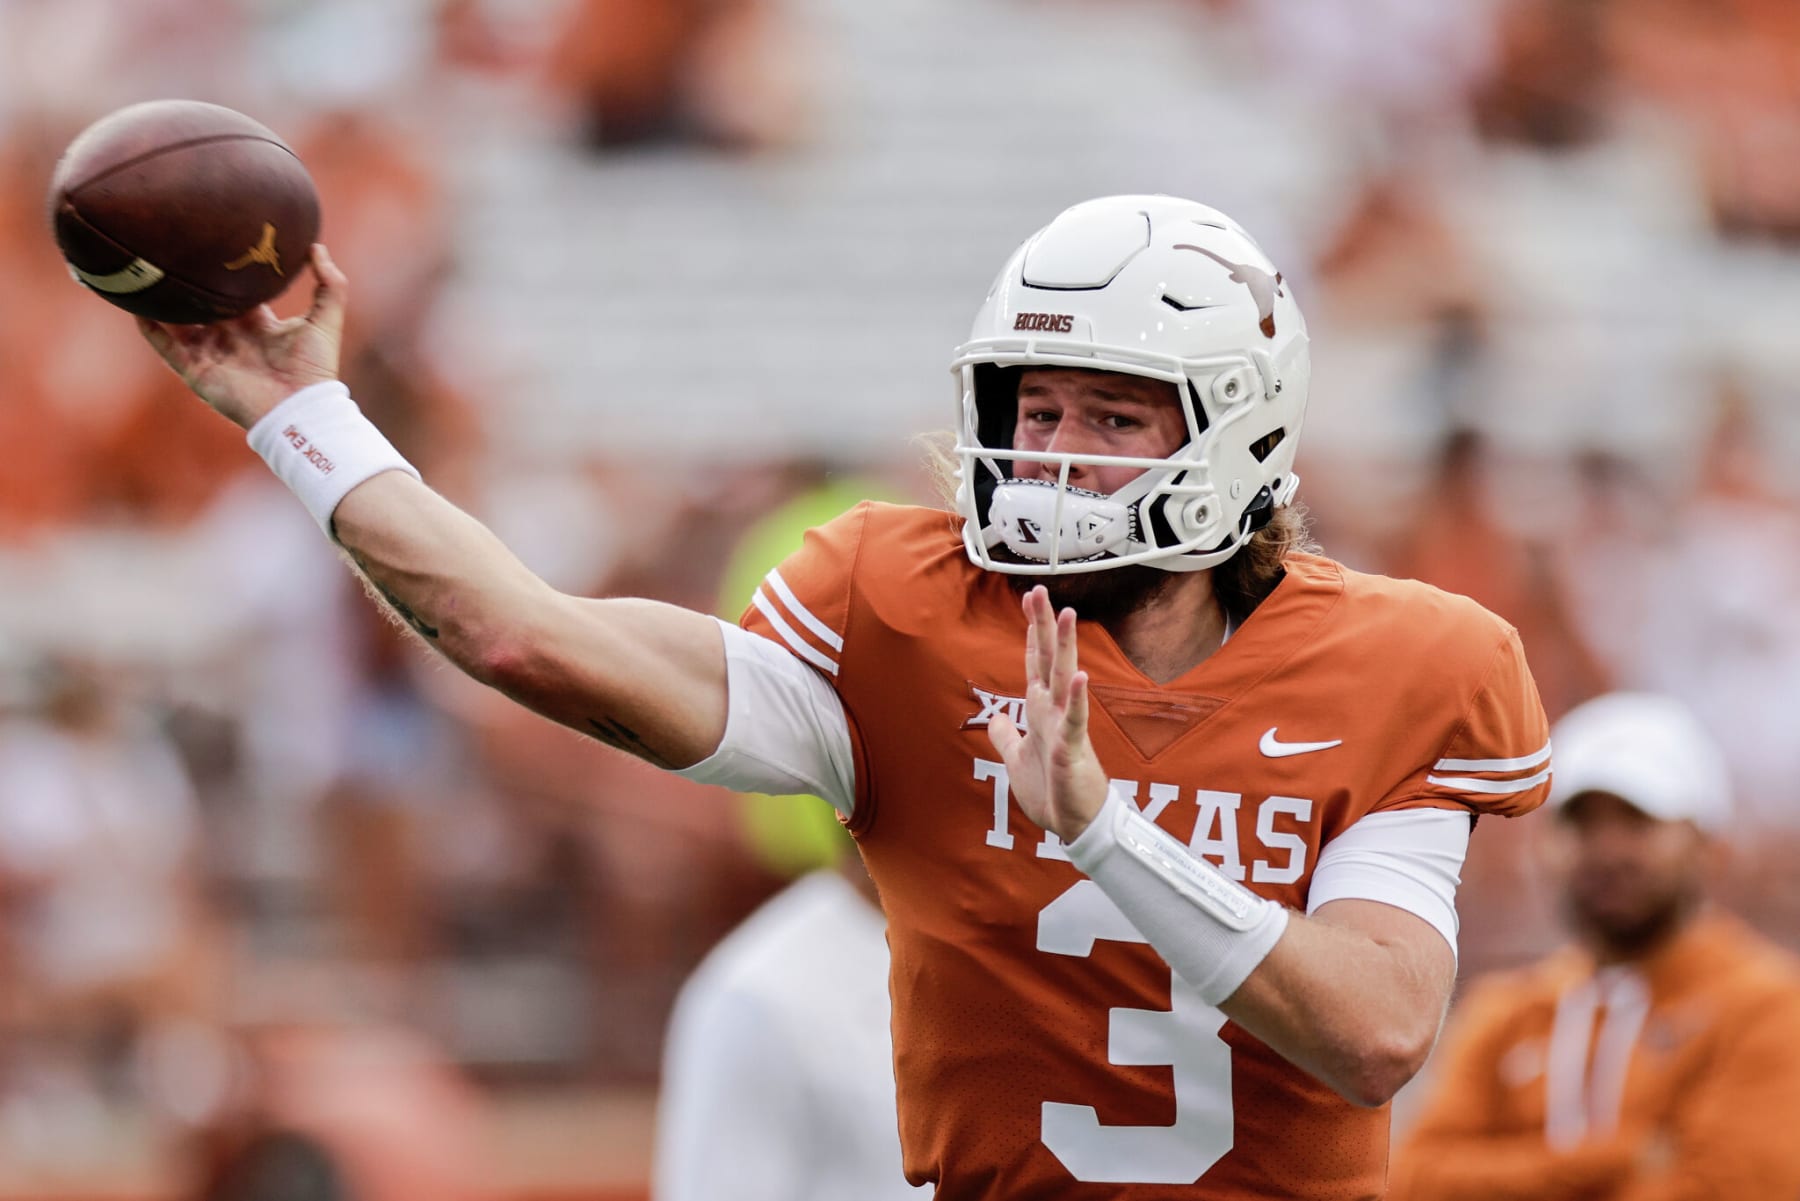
{"type": "Point", "coordinates": [1245, 580]}
{"type": "Point", "coordinates": [1241, 583]}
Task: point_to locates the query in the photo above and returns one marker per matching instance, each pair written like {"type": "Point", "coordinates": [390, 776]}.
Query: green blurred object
{"type": "Point", "coordinates": [780, 532]}
{"type": "Point", "coordinates": [791, 835]}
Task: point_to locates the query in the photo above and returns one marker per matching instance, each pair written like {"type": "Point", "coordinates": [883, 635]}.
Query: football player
{"type": "Point", "coordinates": [1170, 917]}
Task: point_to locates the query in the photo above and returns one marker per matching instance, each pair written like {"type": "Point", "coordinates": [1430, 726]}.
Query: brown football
{"type": "Point", "coordinates": [182, 211]}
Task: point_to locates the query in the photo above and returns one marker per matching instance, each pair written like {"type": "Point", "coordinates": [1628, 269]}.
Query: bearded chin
{"type": "Point", "coordinates": [1104, 596]}
{"type": "Point", "coordinates": [1640, 933]}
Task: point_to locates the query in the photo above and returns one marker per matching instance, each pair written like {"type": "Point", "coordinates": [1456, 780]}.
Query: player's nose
{"type": "Point", "coordinates": [1069, 440]}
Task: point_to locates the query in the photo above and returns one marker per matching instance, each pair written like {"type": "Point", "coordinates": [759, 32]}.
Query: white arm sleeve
{"type": "Point", "coordinates": [1410, 858]}
{"type": "Point", "coordinates": [785, 729]}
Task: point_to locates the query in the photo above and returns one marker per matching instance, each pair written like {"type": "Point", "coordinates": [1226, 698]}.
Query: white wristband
{"type": "Point", "coordinates": [1212, 930]}
{"type": "Point", "coordinates": [319, 444]}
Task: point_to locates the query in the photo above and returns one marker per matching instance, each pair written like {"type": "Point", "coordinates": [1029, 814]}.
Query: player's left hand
{"type": "Point", "coordinates": [1054, 773]}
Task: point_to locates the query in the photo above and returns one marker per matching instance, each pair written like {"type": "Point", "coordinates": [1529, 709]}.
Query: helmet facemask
{"type": "Point", "coordinates": [1169, 516]}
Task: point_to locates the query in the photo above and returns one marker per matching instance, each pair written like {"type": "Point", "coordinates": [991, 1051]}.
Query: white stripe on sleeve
{"type": "Point", "coordinates": [1408, 858]}
{"type": "Point", "coordinates": [791, 636]}
{"type": "Point", "coordinates": [1523, 763]}
{"type": "Point", "coordinates": [786, 731]}
{"type": "Point", "coordinates": [1489, 787]}
{"type": "Point", "coordinates": [825, 633]}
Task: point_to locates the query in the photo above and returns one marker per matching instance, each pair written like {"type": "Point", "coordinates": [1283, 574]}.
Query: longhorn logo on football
{"type": "Point", "coordinates": [263, 252]}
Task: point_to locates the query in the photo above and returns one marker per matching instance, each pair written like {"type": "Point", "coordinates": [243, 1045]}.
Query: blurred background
{"type": "Point", "coordinates": [630, 276]}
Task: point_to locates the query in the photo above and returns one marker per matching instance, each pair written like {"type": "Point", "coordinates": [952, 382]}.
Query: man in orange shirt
{"type": "Point", "coordinates": [1658, 1059]}
{"type": "Point", "coordinates": [1172, 923]}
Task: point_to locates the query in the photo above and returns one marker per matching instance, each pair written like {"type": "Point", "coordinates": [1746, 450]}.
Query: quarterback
{"type": "Point", "coordinates": [1165, 810]}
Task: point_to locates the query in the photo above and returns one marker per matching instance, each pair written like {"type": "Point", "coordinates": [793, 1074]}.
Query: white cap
{"type": "Point", "coordinates": [1648, 750]}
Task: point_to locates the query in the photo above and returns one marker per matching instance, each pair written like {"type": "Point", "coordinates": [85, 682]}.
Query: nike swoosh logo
{"type": "Point", "coordinates": [1274, 748]}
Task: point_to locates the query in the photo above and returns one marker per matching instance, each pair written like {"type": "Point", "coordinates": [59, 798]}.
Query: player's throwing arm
{"type": "Point", "coordinates": [646, 677]}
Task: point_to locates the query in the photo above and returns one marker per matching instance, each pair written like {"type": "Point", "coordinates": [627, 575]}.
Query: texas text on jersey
{"type": "Point", "coordinates": [1042, 1049]}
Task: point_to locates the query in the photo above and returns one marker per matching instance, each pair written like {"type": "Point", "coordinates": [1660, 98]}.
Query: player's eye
{"type": "Point", "coordinates": [1119, 421]}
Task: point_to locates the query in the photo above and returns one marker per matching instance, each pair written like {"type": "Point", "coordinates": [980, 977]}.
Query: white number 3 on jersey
{"type": "Point", "coordinates": [1185, 1036]}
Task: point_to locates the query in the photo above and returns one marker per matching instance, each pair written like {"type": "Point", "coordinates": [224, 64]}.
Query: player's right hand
{"type": "Point", "coordinates": [245, 366]}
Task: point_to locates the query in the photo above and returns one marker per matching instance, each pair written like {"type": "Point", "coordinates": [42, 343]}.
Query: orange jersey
{"type": "Point", "coordinates": [1678, 1077]}
{"type": "Point", "coordinates": [1042, 1049]}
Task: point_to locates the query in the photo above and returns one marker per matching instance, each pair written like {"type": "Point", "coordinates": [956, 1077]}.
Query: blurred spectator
{"type": "Point", "coordinates": [401, 817]}
{"type": "Point", "coordinates": [716, 72]}
{"type": "Point", "coordinates": [1553, 86]}
{"type": "Point", "coordinates": [1694, 590]}
{"type": "Point", "coordinates": [488, 36]}
{"type": "Point", "coordinates": [87, 56]}
{"type": "Point", "coordinates": [107, 936]}
{"type": "Point", "coordinates": [778, 1076]}
{"type": "Point", "coordinates": [1458, 543]}
{"type": "Point", "coordinates": [1729, 70]}
{"type": "Point", "coordinates": [343, 1111]}
{"type": "Point", "coordinates": [1402, 306]}
{"type": "Point", "coordinates": [382, 195]}
{"type": "Point", "coordinates": [1660, 1056]}
{"type": "Point", "coordinates": [99, 858]}
{"type": "Point", "coordinates": [1395, 257]}
{"type": "Point", "coordinates": [1404, 63]}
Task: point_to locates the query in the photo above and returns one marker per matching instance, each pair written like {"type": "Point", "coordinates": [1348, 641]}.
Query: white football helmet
{"type": "Point", "coordinates": [1152, 286]}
